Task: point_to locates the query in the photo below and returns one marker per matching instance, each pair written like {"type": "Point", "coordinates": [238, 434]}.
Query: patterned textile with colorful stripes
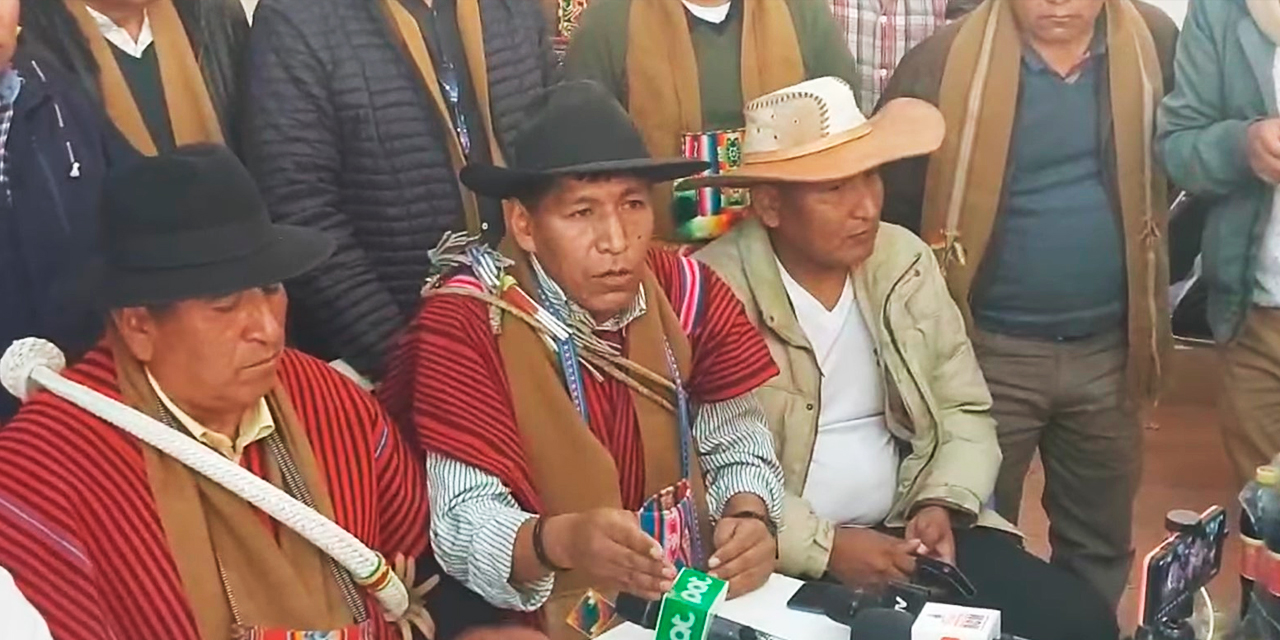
{"type": "Point", "coordinates": [566, 20]}
{"type": "Point", "coordinates": [472, 419]}
{"type": "Point", "coordinates": [79, 528]}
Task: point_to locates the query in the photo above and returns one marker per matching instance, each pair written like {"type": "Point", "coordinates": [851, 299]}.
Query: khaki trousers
{"type": "Point", "coordinates": [1067, 400]}
{"type": "Point", "coordinates": [1250, 401]}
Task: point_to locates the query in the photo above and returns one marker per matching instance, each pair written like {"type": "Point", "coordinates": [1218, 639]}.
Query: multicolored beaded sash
{"type": "Point", "coordinates": [362, 631]}
{"type": "Point", "coordinates": [567, 14]}
{"type": "Point", "coordinates": [706, 214]}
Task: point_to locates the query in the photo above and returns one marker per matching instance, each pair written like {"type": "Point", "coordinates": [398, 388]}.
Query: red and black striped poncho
{"type": "Point", "coordinates": [78, 524]}
{"type": "Point", "coordinates": [447, 382]}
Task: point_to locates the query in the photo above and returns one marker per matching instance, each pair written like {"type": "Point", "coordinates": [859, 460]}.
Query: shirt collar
{"type": "Point", "coordinates": [119, 37]}
{"type": "Point", "coordinates": [1097, 49]}
{"type": "Point", "coordinates": [579, 316]}
{"type": "Point", "coordinates": [10, 85]}
{"type": "Point", "coordinates": [711, 15]}
{"type": "Point", "coordinates": [254, 426]}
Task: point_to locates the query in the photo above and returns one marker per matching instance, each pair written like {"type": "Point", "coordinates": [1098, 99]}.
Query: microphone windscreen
{"type": "Point", "coordinates": [637, 610]}
{"type": "Point", "coordinates": [881, 624]}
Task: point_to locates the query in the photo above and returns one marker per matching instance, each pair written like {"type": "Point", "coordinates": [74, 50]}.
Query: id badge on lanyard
{"type": "Point", "coordinates": [671, 515]}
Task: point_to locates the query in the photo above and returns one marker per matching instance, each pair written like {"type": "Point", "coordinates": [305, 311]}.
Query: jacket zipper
{"type": "Point", "coordinates": [53, 187]}
{"type": "Point", "coordinates": [893, 340]}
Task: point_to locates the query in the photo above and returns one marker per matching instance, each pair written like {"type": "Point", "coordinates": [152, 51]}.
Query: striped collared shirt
{"type": "Point", "coordinates": [475, 517]}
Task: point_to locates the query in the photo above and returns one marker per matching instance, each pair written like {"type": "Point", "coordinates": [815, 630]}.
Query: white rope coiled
{"type": "Point", "coordinates": [32, 363]}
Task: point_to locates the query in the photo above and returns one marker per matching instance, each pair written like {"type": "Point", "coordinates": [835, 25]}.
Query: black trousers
{"type": "Point", "coordinates": [1036, 600]}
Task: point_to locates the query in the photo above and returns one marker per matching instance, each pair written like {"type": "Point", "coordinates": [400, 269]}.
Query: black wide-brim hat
{"type": "Point", "coordinates": [189, 224]}
{"type": "Point", "coordinates": [578, 130]}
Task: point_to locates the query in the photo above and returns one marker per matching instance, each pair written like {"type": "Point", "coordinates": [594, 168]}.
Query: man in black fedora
{"type": "Point", "coordinates": [578, 342]}
{"type": "Point", "coordinates": [111, 538]}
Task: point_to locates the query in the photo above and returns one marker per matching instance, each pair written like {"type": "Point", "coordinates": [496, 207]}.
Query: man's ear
{"type": "Point", "coordinates": [766, 203]}
{"type": "Point", "coordinates": [519, 224]}
{"type": "Point", "coordinates": [137, 328]}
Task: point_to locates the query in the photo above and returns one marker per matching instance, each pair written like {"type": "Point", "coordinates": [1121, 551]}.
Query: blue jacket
{"type": "Point", "coordinates": [58, 151]}
{"type": "Point", "coordinates": [1225, 83]}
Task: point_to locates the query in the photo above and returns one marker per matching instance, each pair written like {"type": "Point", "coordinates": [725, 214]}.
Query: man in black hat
{"type": "Point", "coordinates": [550, 385]}
{"type": "Point", "coordinates": [110, 538]}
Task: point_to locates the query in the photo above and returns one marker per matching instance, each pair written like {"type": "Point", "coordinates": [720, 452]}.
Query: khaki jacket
{"type": "Point", "coordinates": [936, 399]}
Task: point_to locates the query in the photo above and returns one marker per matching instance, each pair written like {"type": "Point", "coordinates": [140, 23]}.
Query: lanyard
{"type": "Point", "coordinates": [572, 372]}
{"type": "Point", "coordinates": [567, 353]}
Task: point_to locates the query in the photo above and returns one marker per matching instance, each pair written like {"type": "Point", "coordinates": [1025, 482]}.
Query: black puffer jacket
{"type": "Point", "coordinates": [342, 135]}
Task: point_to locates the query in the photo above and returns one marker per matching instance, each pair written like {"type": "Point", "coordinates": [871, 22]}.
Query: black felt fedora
{"type": "Point", "coordinates": [579, 129]}
{"type": "Point", "coordinates": [191, 224]}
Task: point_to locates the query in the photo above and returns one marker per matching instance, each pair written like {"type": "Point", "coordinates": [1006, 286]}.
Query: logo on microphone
{"type": "Point", "coordinates": [688, 609]}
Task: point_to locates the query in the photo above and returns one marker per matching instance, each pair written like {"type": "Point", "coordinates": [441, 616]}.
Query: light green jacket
{"type": "Point", "coordinates": [936, 398]}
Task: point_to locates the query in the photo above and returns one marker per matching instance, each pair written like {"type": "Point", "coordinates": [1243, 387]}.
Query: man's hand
{"type": "Point", "coordinates": [745, 550]}
{"type": "Point", "coordinates": [1264, 149]}
{"type": "Point", "coordinates": [868, 558]}
{"type": "Point", "coordinates": [611, 548]}
{"type": "Point", "coordinates": [932, 527]}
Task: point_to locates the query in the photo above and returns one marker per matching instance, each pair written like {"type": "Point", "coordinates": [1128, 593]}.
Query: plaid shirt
{"type": "Point", "coordinates": [880, 32]}
{"type": "Point", "coordinates": [10, 85]}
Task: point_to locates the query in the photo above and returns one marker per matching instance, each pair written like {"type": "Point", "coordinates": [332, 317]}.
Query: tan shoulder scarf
{"type": "Point", "coordinates": [278, 582]}
{"type": "Point", "coordinates": [551, 428]}
{"type": "Point", "coordinates": [191, 112]}
{"type": "Point", "coordinates": [663, 91]}
{"type": "Point", "coordinates": [472, 30]}
{"type": "Point", "coordinates": [979, 97]}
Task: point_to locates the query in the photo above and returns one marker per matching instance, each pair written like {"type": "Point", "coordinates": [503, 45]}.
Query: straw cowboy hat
{"type": "Point", "coordinates": [814, 132]}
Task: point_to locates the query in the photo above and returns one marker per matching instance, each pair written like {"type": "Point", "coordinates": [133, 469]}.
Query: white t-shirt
{"type": "Point", "coordinates": [18, 619]}
{"type": "Point", "coordinates": [854, 469]}
{"type": "Point", "coordinates": [1267, 293]}
{"type": "Point", "coordinates": [714, 15]}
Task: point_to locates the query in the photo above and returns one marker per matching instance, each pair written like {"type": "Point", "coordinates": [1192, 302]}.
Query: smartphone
{"type": "Point", "coordinates": [1180, 566]}
{"type": "Point", "coordinates": [811, 598]}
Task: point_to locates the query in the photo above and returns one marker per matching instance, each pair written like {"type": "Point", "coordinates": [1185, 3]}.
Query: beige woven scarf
{"type": "Point", "coordinates": [191, 112]}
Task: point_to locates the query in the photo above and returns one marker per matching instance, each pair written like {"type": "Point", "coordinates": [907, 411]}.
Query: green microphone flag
{"type": "Point", "coordinates": [687, 610]}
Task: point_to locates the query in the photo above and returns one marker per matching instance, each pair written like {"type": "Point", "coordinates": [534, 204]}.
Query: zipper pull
{"type": "Point", "coordinates": [75, 164]}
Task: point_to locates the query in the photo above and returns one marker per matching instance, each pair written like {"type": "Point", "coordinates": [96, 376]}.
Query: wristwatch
{"type": "Point", "coordinates": [768, 522]}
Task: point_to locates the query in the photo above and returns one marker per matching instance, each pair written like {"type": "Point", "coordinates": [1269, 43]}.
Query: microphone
{"type": "Point", "coordinates": [881, 624]}
{"type": "Point", "coordinates": [687, 612]}
{"type": "Point", "coordinates": [950, 622]}
{"type": "Point", "coordinates": [842, 604]}
{"type": "Point", "coordinates": [889, 624]}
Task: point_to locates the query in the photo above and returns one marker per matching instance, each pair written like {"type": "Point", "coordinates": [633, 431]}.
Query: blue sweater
{"type": "Point", "coordinates": [1056, 266]}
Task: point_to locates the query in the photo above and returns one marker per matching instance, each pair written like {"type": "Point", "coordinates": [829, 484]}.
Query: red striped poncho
{"type": "Point", "coordinates": [78, 524]}
{"type": "Point", "coordinates": [447, 380]}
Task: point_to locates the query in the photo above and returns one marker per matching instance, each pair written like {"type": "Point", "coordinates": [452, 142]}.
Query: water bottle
{"type": "Point", "coordinates": [1251, 542]}
{"type": "Point", "coordinates": [1267, 525]}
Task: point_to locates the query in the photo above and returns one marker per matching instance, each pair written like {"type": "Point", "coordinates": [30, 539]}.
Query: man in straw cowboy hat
{"type": "Point", "coordinates": [880, 413]}
{"type": "Point", "coordinates": [110, 538]}
{"type": "Point", "coordinates": [578, 378]}
{"type": "Point", "coordinates": [1047, 212]}
{"type": "Point", "coordinates": [166, 72]}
